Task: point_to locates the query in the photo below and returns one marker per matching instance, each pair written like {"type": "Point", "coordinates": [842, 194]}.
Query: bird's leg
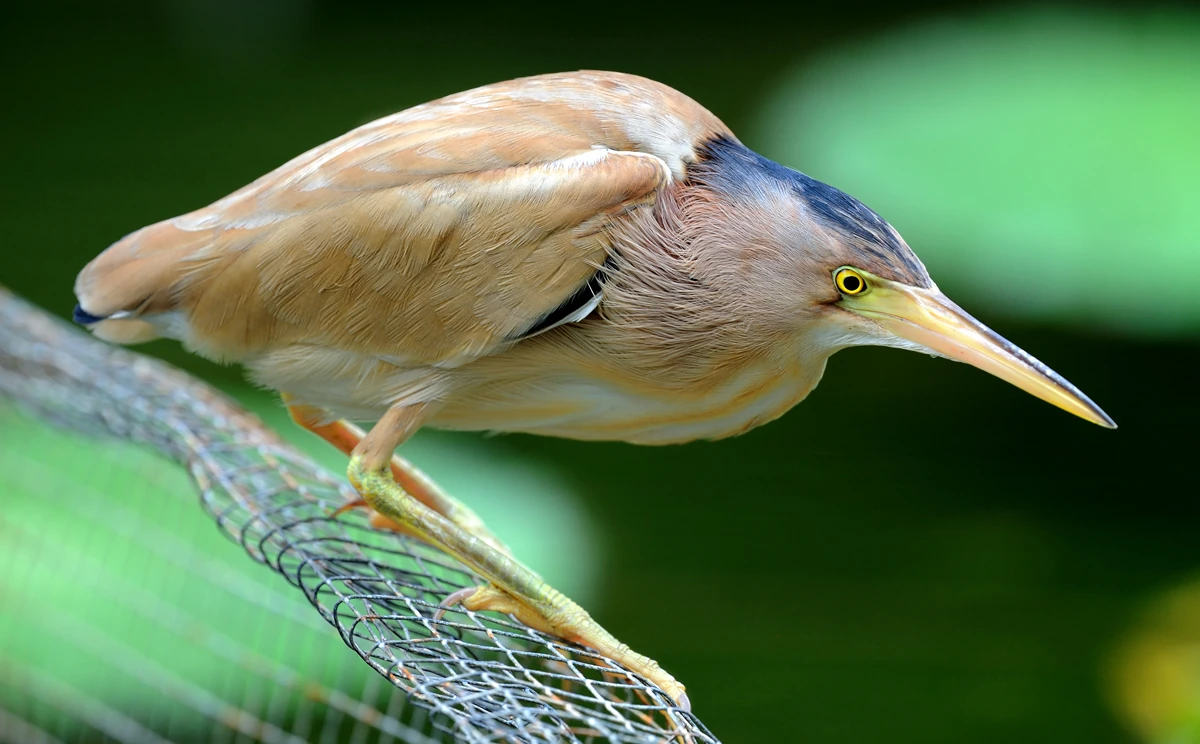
{"type": "Point", "coordinates": [513, 588]}
{"type": "Point", "coordinates": [345, 436]}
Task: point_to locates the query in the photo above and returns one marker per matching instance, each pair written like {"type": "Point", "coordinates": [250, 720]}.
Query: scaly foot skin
{"type": "Point", "coordinates": [556, 615]}
{"type": "Point", "coordinates": [513, 589]}
{"type": "Point", "coordinates": [467, 520]}
{"type": "Point", "coordinates": [454, 510]}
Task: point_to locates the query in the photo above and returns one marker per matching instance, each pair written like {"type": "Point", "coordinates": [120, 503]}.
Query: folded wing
{"type": "Point", "coordinates": [431, 236]}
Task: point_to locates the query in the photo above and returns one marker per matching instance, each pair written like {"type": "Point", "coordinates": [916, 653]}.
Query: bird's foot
{"type": "Point", "coordinates": [443, 503]}
{"type": "Point", "coordinates": [513, 589]}
{"type": "Point", "coordinates": [554, 614]}
{"type": "Point", "coordinates": [347, 438]}
{"type": "Point", "coordinates": [449, 507]}
{"type": "Point", "coordinates": [374, 518]}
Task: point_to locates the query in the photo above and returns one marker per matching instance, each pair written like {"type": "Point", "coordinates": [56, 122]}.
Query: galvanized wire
{"type": "Point", "coordinates": [471, 677]}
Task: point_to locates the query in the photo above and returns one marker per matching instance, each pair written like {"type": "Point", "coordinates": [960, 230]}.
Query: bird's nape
{"type": "Point", "coordinates": [926, 317]}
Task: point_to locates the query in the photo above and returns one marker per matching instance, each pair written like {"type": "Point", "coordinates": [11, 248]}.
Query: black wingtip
{"type": "Point", "coordinates": [83, 317]}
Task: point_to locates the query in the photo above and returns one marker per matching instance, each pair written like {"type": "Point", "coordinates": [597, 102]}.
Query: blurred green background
{"type": "Point", "coordinates": [918, 553]}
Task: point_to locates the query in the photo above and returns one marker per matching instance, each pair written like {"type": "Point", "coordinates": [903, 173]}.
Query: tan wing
{"type": "Point", "coordinates": [432, 235]}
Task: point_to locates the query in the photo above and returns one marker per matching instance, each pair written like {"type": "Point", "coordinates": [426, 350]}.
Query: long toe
{"type": "Point", "coordinates": [564, 619]}
{"type": "Point", "coordinates": [512, 588]}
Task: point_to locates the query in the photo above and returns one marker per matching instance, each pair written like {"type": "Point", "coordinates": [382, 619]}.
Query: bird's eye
{"type": "Point", "coordinates": [849, 282]}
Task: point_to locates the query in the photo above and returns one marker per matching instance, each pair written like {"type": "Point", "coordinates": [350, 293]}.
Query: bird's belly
{"type": "Point", "coordinates": [579, 408]}
{"type": "Point", "coordinates": [566, 403]}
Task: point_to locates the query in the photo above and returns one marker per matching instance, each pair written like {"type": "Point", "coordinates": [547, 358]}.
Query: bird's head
{"type": "Point", "coordinates": [853, 281]}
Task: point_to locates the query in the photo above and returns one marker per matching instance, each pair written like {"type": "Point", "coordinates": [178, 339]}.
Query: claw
{"type": "Point", "coordinates": [493, 599]}
{"type": "Point", "coordinates": [684, 704]}
{"type": "Point", "coordinates": [356, 503]}
{"type": "Point", "coordinates": [452, 600]}
{"type": "Point", "coordinates": [374, 518]}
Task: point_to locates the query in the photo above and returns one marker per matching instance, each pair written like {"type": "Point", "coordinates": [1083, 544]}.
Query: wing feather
{"type": "Point", "coordinates": [434, 235]}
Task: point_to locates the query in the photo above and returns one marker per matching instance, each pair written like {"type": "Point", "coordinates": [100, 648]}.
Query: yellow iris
{"type": "Point", "coordinates": [850, 282]}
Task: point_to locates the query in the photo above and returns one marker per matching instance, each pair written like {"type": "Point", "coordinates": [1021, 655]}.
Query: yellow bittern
{"type": "Point", "coordinates": [589, 255]}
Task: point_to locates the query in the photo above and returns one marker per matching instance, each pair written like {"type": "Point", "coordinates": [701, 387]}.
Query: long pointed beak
{"type": "Point", "coordinates": [928, 318]}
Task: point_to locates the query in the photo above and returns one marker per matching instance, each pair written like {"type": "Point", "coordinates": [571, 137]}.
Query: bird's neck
{"type": "Point", "coordinates": [690, 298]}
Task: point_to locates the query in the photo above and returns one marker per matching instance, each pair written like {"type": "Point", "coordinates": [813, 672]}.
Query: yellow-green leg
{"type": "Point", "coordinates": [512, 589]}
{"type": "Point", "coordinates": [346, 437]}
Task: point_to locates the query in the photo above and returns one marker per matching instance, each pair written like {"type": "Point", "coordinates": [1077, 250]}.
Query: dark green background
{"type": "Point", "coordinates": [918, 553]}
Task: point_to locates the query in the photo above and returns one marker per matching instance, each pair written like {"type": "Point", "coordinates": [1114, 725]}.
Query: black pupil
{"type": "Point", "coordinates": [851, 283]}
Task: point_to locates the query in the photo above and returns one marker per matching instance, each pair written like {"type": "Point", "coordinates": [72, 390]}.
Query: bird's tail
{"type": "Point", "coordinates": [128, 293]}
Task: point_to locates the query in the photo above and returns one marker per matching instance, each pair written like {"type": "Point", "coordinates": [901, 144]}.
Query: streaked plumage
{"type": "Point", "coordinates": [588, 255]}
{"type": "Point", "coordinates": [405, 260]}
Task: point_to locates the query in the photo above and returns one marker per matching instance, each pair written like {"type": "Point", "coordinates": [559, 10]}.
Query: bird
{"type": "Point", "coordinates": [590, 255]}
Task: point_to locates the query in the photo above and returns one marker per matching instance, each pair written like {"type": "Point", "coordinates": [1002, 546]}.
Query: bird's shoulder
{"type": "Point", "coordinates": [518, 122]}
{"type": "Point", "coordinates": [619, 110]}
{"type": "Point", "coordinates": [432, 235]}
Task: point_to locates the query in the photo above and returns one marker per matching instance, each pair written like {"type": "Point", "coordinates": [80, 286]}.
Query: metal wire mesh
{"type": "Point", "coordinates": [475, 677]}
